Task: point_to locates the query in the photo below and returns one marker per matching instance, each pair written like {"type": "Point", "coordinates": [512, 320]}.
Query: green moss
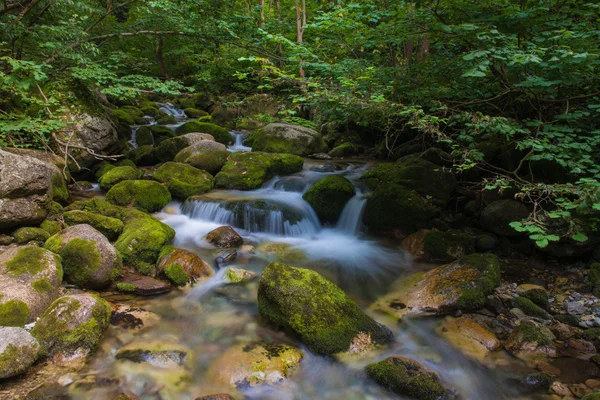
{"type": "Point", "coordinates": [316, 310]}
{"type": "Point", "coordinates": [394, 207]}
{"type": "Point", "coordinates": [126, 287]}
{"type": "Point", "coordinates": [248, 171]}
{"type": "Point", "coordinates": [144, 136]}
{"type": "Point", "coordinates": [52, 227]}
{"type": "Point", "coordinates": [183, 180]}
{"type": "Point", "coordinates": [274, 143]}
{"type": "Point", "coordinates": [122, 117]}
{"type": "Point", "coordinates": [13, 313]}
{"type": "Point", "coordinates": [125, 163]}
{"type": "Point", "coordinates": [148, 110]}
{"type": "Point", "coordinates": [147, 195]}
{"type": "Point", "coordinates": [143, 155]}
{"type": "Point", "coordinates": [402, 376]}
{"type": "Point", "coordinates": [26, 235]}
{"type": "Point", "coordinates": [220, 134]}
{"type": "Point", "coordinates": [145, 268]}
{"type": "Point", "coordinates": [176, 274]}
{"type": "Point", "coordinates": [55, 211]}
{"type": "Point", "coordinates": [79, 258]}
{"type": "Point", "coordinates": [42, 285]}
{"type": "Point", "coordinates": [531, 333]}
{"type": "Point", "coordinates": [98, 206]}
{"type": "Point", "coordinates": [108, 226]}
{"type": "Point", "coordinates": [12, 357]}
{"type": "Point", "coordinates": [344, 150]}
{"type": "Point", "coordinates": [166, 120]}
{"type": "Point", "coordinates": [60, 192]}
{"type": "Point", "coordinates": [205, 155]}
{"type": "Point", "coordinates": [168, 149]}
{"type": "Point", "coordinates": [166, 250]}
{"type": "Point", "coordinates": [118, 174]}
{"type": "Point", "coordinates": [329, 196]}
{"type": "Point", "coordinates": [103, 168]}
{"type": "Point", "coordinates": [474, 292]}
{"type": "Point", "coordinates": [591, 396]}
{"type": "Point", "coordinates": [161, 133]}
{"type": "Point", "coordinates": [538, 295]}
{"type": "Point", "coordinates": [28, 260]}
{"type": "Point", "coordinates": [448, 246]}
{"type": "Point", "coordinates": [592, 334]}
{"type": "Point", "coordinates": [195, 113]}
{"type": "Point", "coordinates": [530, 308]}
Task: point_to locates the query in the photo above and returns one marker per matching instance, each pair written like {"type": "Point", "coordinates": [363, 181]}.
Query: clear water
{"type": "Point", "coordinates": [238, 145]}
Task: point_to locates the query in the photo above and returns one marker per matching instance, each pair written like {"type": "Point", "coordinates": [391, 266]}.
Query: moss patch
{"type": "Point", "coordinates": [448, 246]}
{"type": "Point", "coordinates": [26, 235]}
{"type": "Point", "coordinates": [42, 285]}
{"type": "Point", "coordinates": [118, 174]}
{"type": "Point", "coordinates": [13, 313]}
{"type": "Point", "coordinates": [108, 226]}
{"type": "Point", "coordinates": [147, 195]}
{"type": "Point", "coordinates": [52, 227]}
{"type": "Point", "coordinates": [220, 134]}
{"type": "Point", "coordinates": [125, 287]}
{"type": "Point", "coordinates": [176, 274]}
{"type": "Point", "coordinates": [183, 180]}
{"type": "Point", "coordinates": [29, 260]}
{"type": "Point", "coordinates": [329, 196]}
{"type": "Point", "coordinates": [79, 258]}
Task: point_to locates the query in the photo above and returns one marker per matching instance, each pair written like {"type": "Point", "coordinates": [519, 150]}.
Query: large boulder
{"type": "Point", "coordinates": [248, 171]}
{"type": "Point", "coordinates": [316, 310]}
{"type": "Point", "coordinates": [287, 138]}
{"type": "Point", "coordinates": [183, 180]}
{"type": "Point", "coordinates": [407, 377]}
{"type": "Point", "coordinates": [149, 196]}
{"type": "Point", "coordinates": [108, 226]}
{"type": "Point", "coordinates": [248, 365]}
{"type": "Point", "coordinates": [498, 215]}
{"type": "Point", "coordinates": [436, 246]}
{"type": "Point", "coordinates": [461, 285]}
{"type": "Point", "coordinates": [182, 266]}
{"type": "Point", "coordinates": [224, 237]}
{"type": "Point", "coordinates": [25, 190]}
{"type": "Point", "coordinates": [30, 279]}
{"type": "Point", "coordinates": [89, 260]}
{"type": "Point", "coordinates": [73, 325]}
{"type": "Point", "coordinates": [168, 149]}
{"type": "Point", "coordinates": [118, 174]}
{"type": "Point", "coordinates": [18, 351]}
{"type": "Point", "coordinates": [206, 155]}
{"type": "Point", "coordinates": [220, 134]}
{"type": "Point", "coordinates": [393, 207]}
{"type": "Point", "coordinates": [329, 196]}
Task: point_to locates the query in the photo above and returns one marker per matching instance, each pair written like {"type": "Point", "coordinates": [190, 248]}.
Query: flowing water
{"type": "Point", "coordinates": [239, 142]}
{"type": "Point", "coordinates": [213, 316]}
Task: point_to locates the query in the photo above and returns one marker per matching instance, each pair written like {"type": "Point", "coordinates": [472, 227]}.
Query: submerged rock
{"type": "Point", "coordinates": [470, 337]}
{"type": "Point", "coordinates": [143, 285]}
{"type": "Point", "coordinates": [89, 260]}
{"type": "Point", "coordinates": [224, 237]}
{"type": "Point", "coordinates": [316, 310]}
{"type": "Point", "coordinates": [182, 266]}
{"type": "Point", "coordinates": [287, 138]}
{"type": "Point", "coordinates": [30, 278]}
{"type": "Point", "coordinates": [498, 215]}
{"type": "Point", "coordinates": [461, 285]}
{"type": "Point", "coordinates": [437, 246]}
{"type": "Point", "coordinates": [238, 275]}
{"type": "Point", "coordinates": [73, 325]}
{"type": "Point", "coordinates": [18, 351]}
{"type": "Point", "coordinates": [407, 377]}
{"type": "Point", "coordinates": [183, 180]}
{"type": "Point", "coordinates": [329, 196]}
{"type": "Point", "coordinates": [158, 353]}
{"type": "Point", "coordinates": [149, 196]}
{"type": "Point", "coordinates": [247, 365]}
{"type": "Point", "coordinates": [206, 155]}
{"type": "Point", "coordinates": [284, 252]}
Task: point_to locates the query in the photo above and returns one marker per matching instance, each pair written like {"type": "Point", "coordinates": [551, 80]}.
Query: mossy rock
{"type": "Point", "coordinates": [125, 163]}
{"type": "Point", "coordinates": [438, 246]}
{"type": "Point", "coordinates": [531, 341]}
{"type": "Point", "coordinates": [18, 351]}
{"type": "Point", "coordinates": [182, 266]}
{"type": "Point", "coordinates": [183, 180]}
{"type": "Point", "coordinates": [344, 150]}
{"type": "Point", "coordinates": [530, 308]}
{"type": "Point", "coordinates": [594, 276]}
{"type": "Point", "coordinates": [393, 207]}
{"type": "Point", "coordinates": [283, 252]}
{"type": "Point", "coordinates": [143, 156]}
{"type": "Point", "coordinates": [144, 137]}
{"type": "Point", "coordinates": [220, 134]}
{"type": "Point", "coordinates": [73, 324]}
{"type": "Point", "coordinates": [52, 227]}
{"type": "Point", "coordinates": [149, 196]}
{"type": "Point", "coordinates": [329, 196]}
{"type": "Point", "coordinates": [166, 119]}
{"type": "Point", "coordinates": [195, 113]}
{"type": "Point", "coordinates": [60, 192]}
{"type": "Point", "coordinates": [591, 396]}
{"type": "Point", "coordinates": [205, 155]}
{"type": "Point", "coordinates": [103, 168]}
{"type": "Point", "coordinates": [407, 377]}
{"type": "Point", "coordinates": [535, 293]}
{"type": "Point", "coordinates": [30, 278]}
{"type": "Point", "coordinates": [122, 117]}
{"type": "Point", "coordinates": [314, 309]}
{"type": "Point", "coordinates": [150, 111]}
{"type": "Point", "coordinates": [287, 138]}
{"type": "Point", "coordinates": [462, 285]}
{"type": "Point", "coordinates": [98, 206]}
{"type": "Point", "coordinates": [89, 260]}
{"type": "Point", "coordinates": [26, 235]}
{"type": "Point", "coordinates": [161, 133]}
{"type": "Point", "coordinates": [248, 171]}
{"type": "Point", "coordinates": [118, 174]}
{"type": "Point", "coordinates": [108, 226]}
{"type": "Point", "coordinates": [168, 149]}
{"type": "Point", "coordinates": [135, 113]}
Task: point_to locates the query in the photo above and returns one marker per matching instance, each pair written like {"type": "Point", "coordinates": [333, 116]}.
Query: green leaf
{"type": "Point", "coordinates": [542, 243]}
{"type": "Point", "coordinates": [579, 237]}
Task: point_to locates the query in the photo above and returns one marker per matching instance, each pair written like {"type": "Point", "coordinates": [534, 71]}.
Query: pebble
{"type": "Point", "coordinates": [575, 307]}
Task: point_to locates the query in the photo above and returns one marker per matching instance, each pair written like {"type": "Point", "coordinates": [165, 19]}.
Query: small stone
{"type": "Point", "coordinates": [66, 380]}
{"type": "Point", "coordinates": [518, 313]}
{"type": "Point", "coordinates": [593, 383]}
{"type": "Point", "coordinates": [560, 389]}
{"type": "Point", "coordinates": [18, 351]}
{"type": "Point", "coordinates": [143, 285]}
{"type": "Point", "coordinates": [224, 237]}
{"type": "Point", "coordinates": [575, 307]}
{"type": "Point", "coordinates": [547, 368]}
{"type": "Point", "coordinates": [579, 389]}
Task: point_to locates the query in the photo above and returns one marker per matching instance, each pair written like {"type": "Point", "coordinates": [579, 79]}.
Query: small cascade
{"type": "Point", "coordinates": [170, 109]}
{"type": "Point", "coordinates": [238, 146]}
{"type": "Point", "coordinates": [351, 218]}
{"type": "Point", "coordinates": [133, 140]}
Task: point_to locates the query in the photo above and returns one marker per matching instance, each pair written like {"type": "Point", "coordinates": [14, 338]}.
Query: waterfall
{"type": "Point", "coordinates": [351, 218]}
{"type": "Point", "coordinates": [133, 140]}
{"type": "Point", "coordinates": [170, 109]}
{"type": "Point", "coordinates": [238, 146]}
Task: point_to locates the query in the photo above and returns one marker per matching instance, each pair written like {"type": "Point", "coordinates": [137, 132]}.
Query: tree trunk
{"type": "Point", "coordinates": [159, 58]}
{"type": "Point", "coordinates": [262, 13]}
{"type": "Point", "coordinates": [299, 31]}
{"type": "Point", "coordinates": [423, 51]}
{"type": "Point", "coordinates": [409, 49]}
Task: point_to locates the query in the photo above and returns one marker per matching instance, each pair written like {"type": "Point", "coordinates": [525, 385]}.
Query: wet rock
{"type": "Point", "coordinates": [73, 325]}
{"type": "Point", "coordinates": [248, 365]}
{"type": "Point", "coordinates": [205, 155]}
{"type": "Point", "coordinates": [317, 311]}
{"type": "Point", "coordinates": [283, 252]}
{"type": "Point", "coordinates": [128, 317]}
{"type": "Point", "coordinates": [30, 278]}
{"type": "Point", "coordinates": [591, 396]}
{"type": "Point", "coordinates": [538, 381]}
{"type": "Point", "coordinates": [119, 174]}
{"type": "Point", "coordinates": [320, 156]}
{"type": "Point", "coordinates": [167, 150]}
{"type": "Point", "coordinates": [161, 354]}
{"type": "Point", "coordinates": [497, 216]}
{"type": "Point", "coordinates": [560, 389]}
{"type": "Point", "coordinates": [183, 180]}
{"type": "Point", "coordinates": [88, 258]}
{"type": "Point", "coordinates": [462, 285]}
{"type": "Point", "coordinates": [225, 257]}
{"type": "Point", "coordinates": [182, 267]}
{"type": "Point", "coordinates": [578, 348]}
{"type": "Point", "coordinates": [344, 150]}
{"type": "Point", "coordinates": [530, 340]}
{"type": "Point", "coordinates": [143, 156]}
{"type": "Point", "coordinates": [287, 138]}
{"type": "Point", "coordinates": [49, 391]}
{"type": "Point", "coordinates": [224, 237]}
{"type": "Point", "coordinates": [580, 390]}
{"type": "Point", "coordinates": [530, 308]}
{"type": "Point", "coordinates": [562, 331]}
{"type": "Point", "coordinates": [535, 293]}
{"type": "Point", "coordinates": [238, 275]}
{"type": "Point", "coordinates": [143, 285]}
{"type": "Point", "coordinates": [329, 196]}
{"type": "Point", "coordinates": [471, 338]}
{"type": "Point", "coordinates": [436, 246]}
{"type": "Point", "coordinates": [407, 377]}
{"type": "Point", "coordinates": [148, 196]}
{"type": "Point", "coordinates": [109, 227]}
{"type": "Point", "coordinates": [18, 351]}
{"type": "Point", "coordinates": [127, 395]}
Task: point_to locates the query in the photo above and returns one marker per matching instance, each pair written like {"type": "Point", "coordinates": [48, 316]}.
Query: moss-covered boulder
{"type": "Point", "coordinates": [206, 155]}
{"type": "Point", "coordinates": [28, 234]}
{"type": "Point", "coordinates": [436, 246]}
{"type": "Point", "coordinates": [108, 226]}
{"type": "Point", "coordinates": [224, 237]}
{"type": "Point", "coordinates": [316, 310]}
{"type": "Point", "coordinates": [393, 207]}
{"type": "Point", "coordinates": [182, 266]}
{"type": "Point", "coordinates": [73, 325]}
{"type": "Point", "coordinates": [497, 216]}
{"type": "Point", "coordinates": [51, 226]}
{"type": "Point", "coordinates": [344, 150]}
{"type": "Point", "coordinates": [118, 174]}
{"type": "Point", "coordinates": [461, 285]}
{"type": "Point", "coordinates": [248, 171]}
{"type": "Point", "coordinates": [143, 156]}
{"type": "Point", "coordinates": [287, 138]}
{"type": "Point", "coordinates": [89, 260]}
{"type": "Point", "coordinates": [249, 365]}
{"type": "Point", "coordinates": [101, 168]}
{"type": "Point", "coordinates": [18, 351]}
{"type": "Point", "coordinates": [144, 137]}
{"type": "Point", "coordinates": [153, 135]}
{"type": "Point", "coordinates": [149, 196]}
{"type": "Point", "coordinates": [530, 308]}
{"type": "Point", "coordinates": [329, 196]}
{"type": "Point", "coordinates": [168, 149]}
{"type": "Point", "coordinates": [30, 278]}
{"type": "Point", "coordinates": [530, 341]}
{"type": "Point", "coordinates": [535, 293]}
{"type": "Point", "coordinates": [157, 353]}
{"type": "Point", "coordinates": [195, 112]}
{"type": "Point", "coordinates": [407, 377]}
{"type": "Point", "coordinates": [183, 180]}
{"type": "Point", "coordinates": [220, 134]}
{"type": "Point", "coordinates": [98, 206]}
